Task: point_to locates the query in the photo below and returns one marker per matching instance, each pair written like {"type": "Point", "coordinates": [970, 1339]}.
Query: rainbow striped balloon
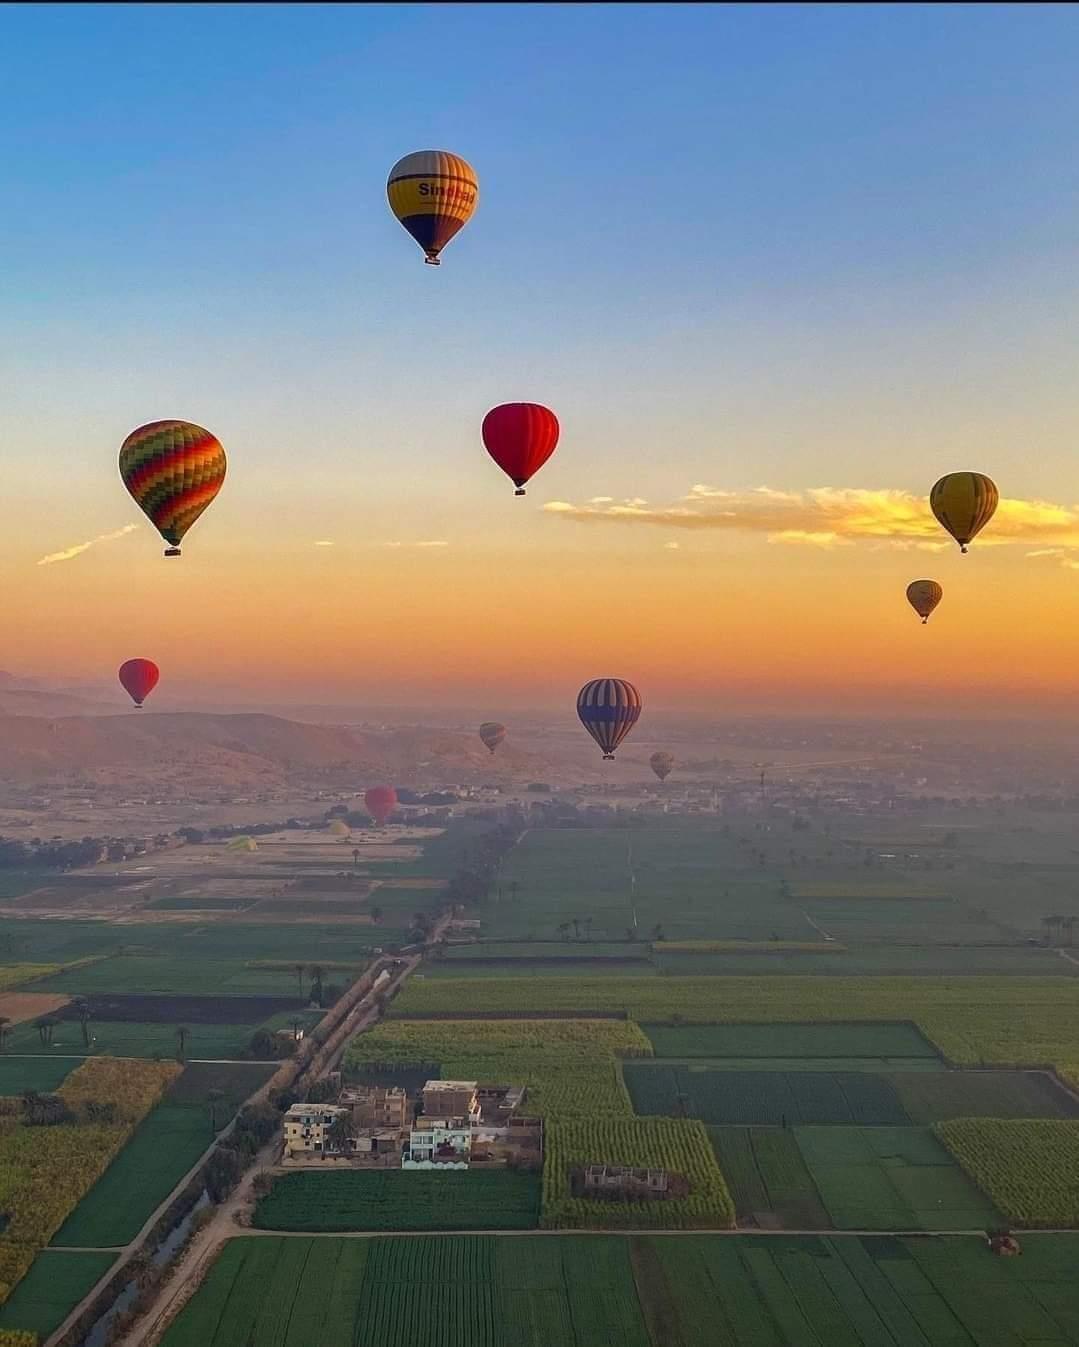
{"type": "Point", "coordinates": [173, 470]}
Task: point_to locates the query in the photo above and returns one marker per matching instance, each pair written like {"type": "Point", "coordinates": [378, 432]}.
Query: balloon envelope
{"type": "Point", "coordinates": [433, 194]}
{"type": "Point", "coordinates": [964, 502]}
{"type": "Point", "coordinates": [520, 437]}
{"type": "Point", "coordinates": [923, 596]}
{"type": "Point", "coordinates": [380, 801]}
{"type": "Point", "coordinates": [608, 709]}
{"type": "Point", "coordinates": [492, 733]}
{"type": "Point", "coordinates": [661, 764]}
{"type": "Point", "coordinates": [173, 470]}
{"type": "Point", "coordinates": [138, 677]}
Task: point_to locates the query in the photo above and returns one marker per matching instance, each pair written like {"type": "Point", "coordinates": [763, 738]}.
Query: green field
{"type": "Point", "coordinates": [177, 975]}
{"type": "Point", "coordinates": [864, 960]}
{"type": "Point", "coordinates": [602, 1291]}
{"type": "Point", "coordinates": [117, 1038]}
{"type": "Point", "coordinates": [1030, 1168]}
{"type": "Point", "coordinates": [789, 1040]}
{"type": "Point", "coordinates": [55, 1284]}
{"type": "Point", "coordinates": [762, 1097]}
{"type": "Point", "coordinates": [34, 1073]}
{"type": "Point", "coordinates": [467, 1291]}
{"type": "Point", "coordinates": [930, 1097]}
{"type": "Point", "coordinates": [163, 1148]}
{"type": "Point", "coordinates": [549, 968]}
{"type": "Point", "coordinates": [892, 1178]}
{"type": "Point", "coordinates": [396, 1199]}
{"type": "Point", "coordinates": [785, 1291]}
{"type": "Point", "coordinates": [536, 950]}
{"type": "Point", "coordinates": [768, 1178]}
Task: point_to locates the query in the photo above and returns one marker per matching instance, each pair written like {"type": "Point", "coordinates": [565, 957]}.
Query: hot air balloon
{"type": "Point", "coordinates": [381, 801]}
{"type": "Point", "coordinates": [433, 193]}
{"type": "Point", "coordinates": [173, 469]}
{"type": "Point", "coordinates": [923, 596]}
{"type": "Point", "coordinates": [608, 709]}
{"type": "Point", "coordinates": [492, 733]}
{"type": "Point", "coordinates": [338, 828]}
{"type": "Point", "coordinates": [661, 764]}
{"type": "Point", "coordinates": [964, 503]}
{"type": "Point", "coordinates": [243, 844]}
{"type": "Point", "coordinates": [520, 437]}
{"type": "Point", "coordinates": [138, 677]}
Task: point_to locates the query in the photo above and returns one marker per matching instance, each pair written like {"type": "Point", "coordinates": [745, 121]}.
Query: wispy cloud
{"type": "Point", "coordinates": [1057, 554]}
{"type": "Point", "coordinates": [828, 516]}
{"type": "Point", "coordinates": [426, 542]}
{"type": "Point", "coordinates": [324, 542]}
{"type": "Point", "coordinates": [78, 548]}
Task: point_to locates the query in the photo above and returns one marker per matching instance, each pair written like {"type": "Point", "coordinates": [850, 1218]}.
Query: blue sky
{"type": "Point", "coordinates": [799, 246]}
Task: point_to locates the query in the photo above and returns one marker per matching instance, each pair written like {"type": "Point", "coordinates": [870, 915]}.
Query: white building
{"type": "Point", "coordinates": [439, 1143]}
{"type": "Point", "coordinates": [306, 1126]}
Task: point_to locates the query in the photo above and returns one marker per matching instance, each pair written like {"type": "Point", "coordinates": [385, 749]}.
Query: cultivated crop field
{"type": "Point", "coordinates": [788, 1291]}
{"type": "Point", "coordinates": [768, 1178]}
{"type": "Point", "coordinates": [681, 1147]}
{"type": "Point", "coordinates": [569, 1066]}
{"type": "Point", "coordinates": [396, 1199]}
{"type": "Point", "coordinates": [934, 1096]}
{"type": "Point", "coordinates": [900, 1041]}
{"type": "Point", "coordinates": [1029, 1168]}
{"type": "Point", "coordinates": [468, 1291]}
{"type": "Point", "coordinates": [34, 1073]}
{"type": "Point", "coordinates": [164, 1146]}
{"type": "Point", "coordinates": [51, 1289]}
{"type": "Point", "coordinates": [777, 1097]}
{"type": "Point", "coordinates": [891, 1178]}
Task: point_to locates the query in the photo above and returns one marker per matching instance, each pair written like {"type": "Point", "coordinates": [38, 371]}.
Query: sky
{"type": "Point", "coordinates": [775, 268]}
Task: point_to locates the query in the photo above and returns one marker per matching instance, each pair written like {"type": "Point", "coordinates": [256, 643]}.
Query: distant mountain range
{"type": "Point", "coordinates": [188, 751]}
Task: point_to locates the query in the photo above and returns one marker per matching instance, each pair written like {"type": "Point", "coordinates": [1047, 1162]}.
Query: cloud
{"type": "Point", "coordinates": [828, 516]}
{"type": "Point", "coordinates": [324, 542]}
{"type": "Point", "coordinates": [427, 542]}
{"type": "Point", "coordinates": [1057, 554]}
{"type": "Point", "coordinates": [79, 548]}
{"type": "Point", "coordinates": [671, 547]}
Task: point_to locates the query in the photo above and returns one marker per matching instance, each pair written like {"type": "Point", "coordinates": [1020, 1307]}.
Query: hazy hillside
{"type": "Point", "coordinates": [140, 750]}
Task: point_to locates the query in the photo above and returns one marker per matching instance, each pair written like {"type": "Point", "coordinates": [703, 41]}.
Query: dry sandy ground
{"type": "Point", "coordinates": [21, 1006]}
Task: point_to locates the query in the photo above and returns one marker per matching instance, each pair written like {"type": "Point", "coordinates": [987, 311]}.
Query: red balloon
{"type": "Point", "coordinates": [139, 678]}
{"type": "Point", "coordinates": [520, 437]}
{"type": "Point", "coordinates": [381, 801]}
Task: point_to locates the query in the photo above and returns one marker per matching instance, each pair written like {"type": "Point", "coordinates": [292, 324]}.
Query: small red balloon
{"type": "Point", "coordinates": [381, 801]}
{"type": "Point", "coordinates": [520, 437]}
{"type": "Point", "coordinates": [139, 678]}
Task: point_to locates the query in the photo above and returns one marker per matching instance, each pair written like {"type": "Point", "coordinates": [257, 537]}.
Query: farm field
{"type": "Point", "coordinates": [393, 1199]}
{"type": "Point", "coordinates": [789, 1291]}
{"type": "Point", "coordinates": [760, 1097]}
{"type": "Point", "coordinates": [885, 1041]}
{"type": "Point", "coordinates": [864, 960]}
{"type": "Point", "coordinates": [122, 1039]}
{"type": "Point", "coordinates": [548, 968]}
{"type": "Point", "coordinates": [768, 1179]}
{"type": "Point", "coordinates": [175, 975]}
{"type": "Point", "coordinates": [51, 1289]}
{"type": "Point", "coordinates": [973, 1020]}
{"type": "Point", "coordinates": [162, 1149]}
{"type": "Point", "coordinates": [679, 1146]}
{"type": "Point", "coordinates": [1029, 1168]}
{"type": "Point", "coordinates": [930, 1097]}
{"type": "Point", "coordinates": [538, 951]}
{"type": "Point", "coordinates": [478, 1291]}
{"type": "Point", "coordinates": [569, 1066]}
{"type": "Point", "coordinates": [891, 1178]}
{"type": "Point", "coordinates": [34, 1073]}
{"type": "Point", "coordinates": [602, 1291]}
{"type": "Point", "coordinates": [45, 1171]}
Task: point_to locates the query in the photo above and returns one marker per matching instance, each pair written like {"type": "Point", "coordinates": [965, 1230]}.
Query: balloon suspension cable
{"type": "Point", "coordinates": [433, 260]}
{"type": "Point", "coordinates": [172, 551]}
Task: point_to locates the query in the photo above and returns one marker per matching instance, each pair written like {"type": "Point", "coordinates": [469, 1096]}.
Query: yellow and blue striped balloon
{"type": "Point", "coordinates": [433, 193]}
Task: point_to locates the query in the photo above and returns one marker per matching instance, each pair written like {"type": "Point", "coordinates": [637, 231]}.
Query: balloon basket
{"type": "Point", "coordinates": [433, 261]}
{"type": "Point", "coordinates": [520, 491]}
{"type": "Point", "coordinates": [172, 551]}
{"type": "Point", "coordinates": [608, 757]}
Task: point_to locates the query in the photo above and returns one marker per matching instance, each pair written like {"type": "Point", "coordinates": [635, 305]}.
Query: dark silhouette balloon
{"type": "Point", "coordinates": [923, 596]}
{"type": "Point", "coordinates": [964, 502]}
{"type": "Point", "coordinates": [661, 764]}
{"type": "Point", "coordinates": [492, 733]}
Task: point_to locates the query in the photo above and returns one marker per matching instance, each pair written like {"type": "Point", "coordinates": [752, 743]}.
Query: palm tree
{"type": "Point", "coordinates": [299, 971]}
{"type": "Point", "coordinates": [85, 1015]}
{"type": "Point", "coordinates": [376, 914]}
{"type": "Point", "coordinates": [316, 983]}
{"type": "Point", "coordinates": [657, 932]}
{"type": "Point", "coordinates": [182, 1032]}
{"type": "Point", "coordinates": [576, 927]}
{"type": "Point", "coordinates": [588, 928]}
{"type": "Point", "coordinates": [355, 855]}
{"type": "Point", "coordinates": [42, 1027]}
{"type": "Point", "coordinates": [1068, 925]}
{"type": "Point", "coordinates": [340, 1132]}
{"type": "Point", "coordinates": [213, 1098]}
{"type": "Point", "coordinates": [5, 1030]}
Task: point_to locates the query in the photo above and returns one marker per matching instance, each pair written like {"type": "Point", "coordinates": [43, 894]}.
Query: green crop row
{"type": "Point", "coordinates": [1028, 1166]}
